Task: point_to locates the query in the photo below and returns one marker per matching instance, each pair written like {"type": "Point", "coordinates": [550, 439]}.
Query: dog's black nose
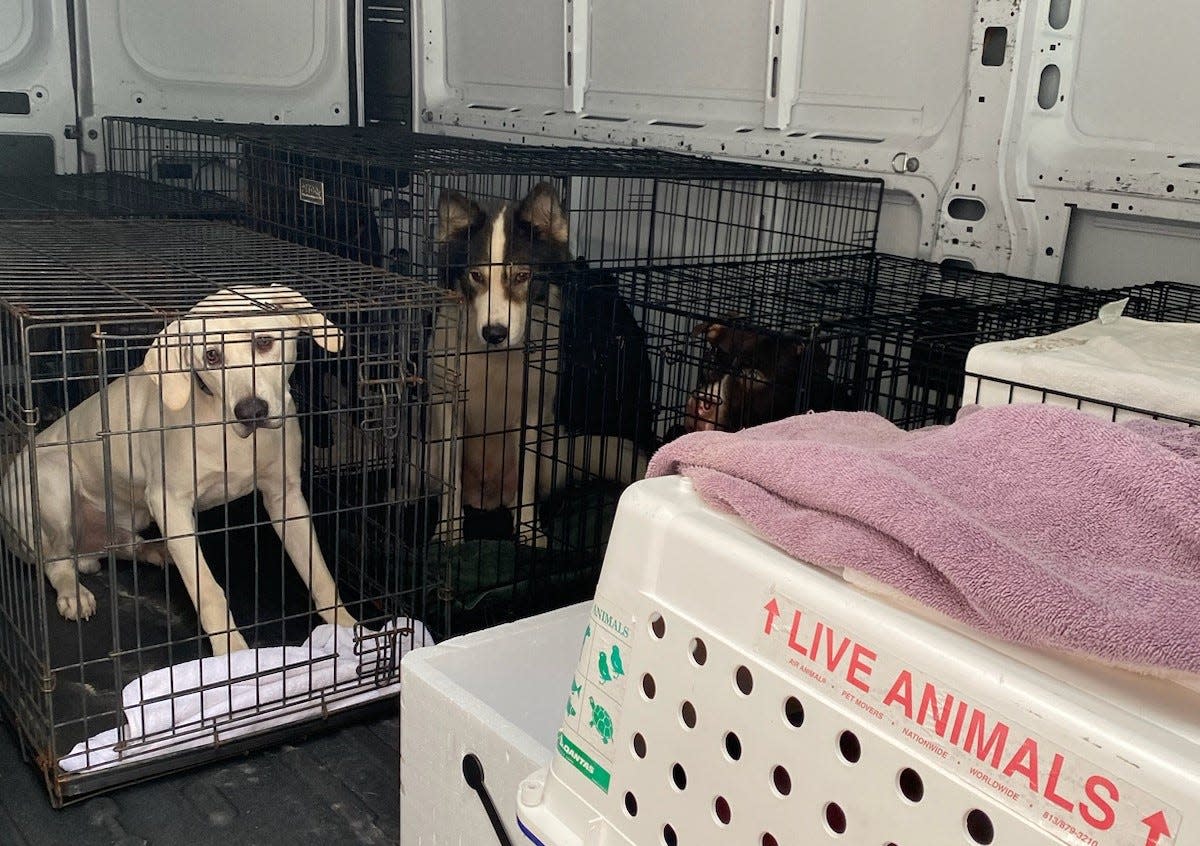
{"type": "Point", "coordinates": [252, 411]}
{"type": "Point", "coordinates": [494, 333]}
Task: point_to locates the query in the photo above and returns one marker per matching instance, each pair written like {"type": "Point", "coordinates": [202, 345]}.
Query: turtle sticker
{"type": "Point", "coordinates": [601, 721]}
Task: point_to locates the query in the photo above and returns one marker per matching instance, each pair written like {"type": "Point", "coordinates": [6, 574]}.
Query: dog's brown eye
{"type": "Point", "coordinates": [521, 277]}
{"type": "Point", "coordinates": [477, 277]}
{"type": "Point", "coordinates": [212, 357]}
{"type": "Point", "coordinates": [263, 343]}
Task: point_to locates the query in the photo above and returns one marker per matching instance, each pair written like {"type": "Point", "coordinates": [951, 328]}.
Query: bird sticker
{"type": "Point", "coordinates": [615, 661]}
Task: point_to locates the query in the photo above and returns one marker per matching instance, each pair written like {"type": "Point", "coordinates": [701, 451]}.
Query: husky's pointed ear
{"type": "Point", "coordinates": [328, 336]}
{"type": "Point", "coordinates": [456, 214]}
{"type": "Point", "coordinates": [167, 365]}
{"type": "Point", "coordinates": [542, 210]}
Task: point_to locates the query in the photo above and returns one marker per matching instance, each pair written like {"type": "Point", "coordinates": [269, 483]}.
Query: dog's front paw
{"type": "Point", "coordinates": [226, 642]}
{"type": "Point", "coordinates": [79, 605]}
{"type": "Point", "coordinates": [88, 565]}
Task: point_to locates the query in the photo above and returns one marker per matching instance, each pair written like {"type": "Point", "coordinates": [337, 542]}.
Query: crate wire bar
{"type": "Point", "coordinates": [1163, 301]}
{"type": "Point", "coordinates": [81, 301]}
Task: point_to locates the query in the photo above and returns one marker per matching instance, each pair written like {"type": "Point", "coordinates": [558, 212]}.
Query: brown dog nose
{"type": "Point", "coordinates": [251, 411]}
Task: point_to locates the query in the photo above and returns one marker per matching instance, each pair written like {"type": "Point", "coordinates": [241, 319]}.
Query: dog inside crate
{"type": "Point", "coordinates": [575, 371]}
{"type": "Point", "coordinates": [749, 376]}
{"type": "Point", "coordinates": [556, 414]}
{"type": "Point", "coordinates": [180, 452]}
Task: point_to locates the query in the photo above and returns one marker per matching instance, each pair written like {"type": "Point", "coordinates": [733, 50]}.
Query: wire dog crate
{"type": "Point", "coordinates": [1115, 381]}
{"type": "Point", "coordinates": [743, 345]}
{"type": "Point", "coordinates": [559, 415]}
{"type": "Point", "coordinates": [730, 345]}
{"type": "Point", "coordinates": [1164, 301]}
{"type": "Point", "coordinates": [134, 395]}
{"type": "Point", "coordinates": [912, 348]}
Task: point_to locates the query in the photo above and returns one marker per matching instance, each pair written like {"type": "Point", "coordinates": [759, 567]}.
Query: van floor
{"type": "Point", "coordinates": [337, 788]}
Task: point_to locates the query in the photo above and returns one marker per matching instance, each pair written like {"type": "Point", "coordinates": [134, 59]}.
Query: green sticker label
{"type": "Point", "coordinates": [583, 762]}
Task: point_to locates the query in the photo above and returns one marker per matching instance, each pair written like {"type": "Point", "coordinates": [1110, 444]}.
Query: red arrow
{"type": "Point", "coordinates": [1157, 823]}
{"type": "Point", "coordinates": [772, 609]}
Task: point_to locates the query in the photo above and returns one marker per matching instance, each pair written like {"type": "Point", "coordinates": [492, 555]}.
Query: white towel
{"type": "Point", "coordinates": [1113, 359]}
{"type": "Point", "coordinates": [200, 702]}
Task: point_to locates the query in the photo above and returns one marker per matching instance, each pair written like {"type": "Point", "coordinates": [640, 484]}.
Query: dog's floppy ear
{"type": "Point", "coordinates": [164, 363]}
{"type": "Point", "coordinates": [456, 213]}
{"type": "Point", "coordinates": [719, 335]}
{"type": "Point", "coordinates": [328, 336]}
{"type": "Point", "coordinates": [542, 210]}
{"type": "Point", "coordinates": [711, 332]}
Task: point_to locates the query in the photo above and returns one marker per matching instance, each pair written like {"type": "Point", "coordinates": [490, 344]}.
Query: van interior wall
{"type": "Point", "coordinates": [1042, 139]}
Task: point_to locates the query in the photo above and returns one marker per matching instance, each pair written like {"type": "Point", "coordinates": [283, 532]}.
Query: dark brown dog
{"type": "Point", "coordinates": [751, 376]}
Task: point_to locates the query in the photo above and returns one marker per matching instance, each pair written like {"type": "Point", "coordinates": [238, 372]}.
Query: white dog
{"type": "Point", "coordinates": [205, 419]}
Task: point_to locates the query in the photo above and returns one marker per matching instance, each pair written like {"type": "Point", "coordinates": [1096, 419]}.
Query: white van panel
{"type": "Point", "coordinates": [662, 53]}
{"type": "Point", "coordinates": [992, 122]}
{"type": "Point", "coordinates": [218, 60]}
{"type": "Point", "coordinates": [1108, 250]}
{"type": "Point", "coordinates": [35, 63]}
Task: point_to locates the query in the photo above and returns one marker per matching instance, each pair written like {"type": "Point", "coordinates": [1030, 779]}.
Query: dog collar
{"type": "Point", "coordinates": [200, 383]}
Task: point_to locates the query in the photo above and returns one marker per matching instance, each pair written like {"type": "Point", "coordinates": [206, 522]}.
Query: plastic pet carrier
{"type": "Point", "coordinates": [791, 707]}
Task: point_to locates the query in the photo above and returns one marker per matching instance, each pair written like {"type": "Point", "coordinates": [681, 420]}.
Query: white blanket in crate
{"type": "Point", "coordinates": [1113, 359]}
{"type": "Point", "coordinates": [247, 692]}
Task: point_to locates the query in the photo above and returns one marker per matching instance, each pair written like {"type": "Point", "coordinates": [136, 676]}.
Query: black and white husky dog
{"type": "Point", "coordinates": [555, 374]}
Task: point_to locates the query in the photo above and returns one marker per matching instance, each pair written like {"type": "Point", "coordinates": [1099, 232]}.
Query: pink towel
{"type": "Point", "coordinates": [1037, 525]}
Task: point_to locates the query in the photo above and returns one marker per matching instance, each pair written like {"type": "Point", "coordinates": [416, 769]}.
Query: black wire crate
{"type": "Point", "coordinates": [1163, 301]}
{"type": "Point", "coordinates": [992, 381]}
{"type": "Point", "coordinates": [912, 350]}
{"type": "Point", "coordinates": [213, 490]}
{"type": "Point", "coordinates": [638, 356]}
{"type": "Point", "coordinates": [373, 194]}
